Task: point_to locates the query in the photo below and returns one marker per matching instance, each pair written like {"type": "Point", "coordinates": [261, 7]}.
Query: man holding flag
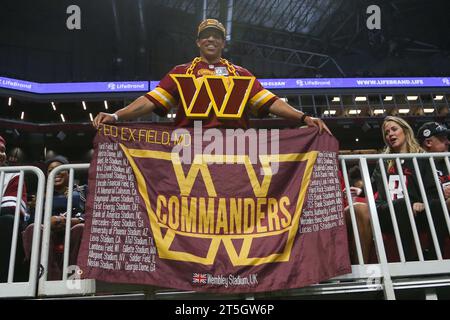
{"type": "Point", "coordinates": [211, 42]}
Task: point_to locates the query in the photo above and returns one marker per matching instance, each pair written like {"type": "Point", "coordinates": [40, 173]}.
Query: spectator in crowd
{"type": "Point", "coordinates": [9, 201]}
{"type": "Point", "coordinates": [433, 137]}
{"type": "Point", "coordinates": [399, 138]}
{"type": "Point", "coordinates": [362, 215]}
{"type": "Point", "coordinates": [58, 220]}
{"type": "Point", "coordinates": [15, 157]}
{"type": "Point", "coordinates": [356, 185]}
{"type": "Point", "coordinates": [211, 43]}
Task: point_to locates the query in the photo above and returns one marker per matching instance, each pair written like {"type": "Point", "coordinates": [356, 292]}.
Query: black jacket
{"type": "Point", "coordinates": [412, 184]}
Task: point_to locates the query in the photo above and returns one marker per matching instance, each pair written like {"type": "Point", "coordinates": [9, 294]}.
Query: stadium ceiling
{"type": "Point", "coordinates": [143, 39]}
{"type": "Point", "coordinates": [278, 31]}
{"type": "Point", "coordinates": [320, 20]}
{"type": "Point", "coordinates": [299, 16]}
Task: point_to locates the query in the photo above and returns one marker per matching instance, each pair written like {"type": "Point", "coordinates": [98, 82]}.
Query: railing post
{"type": "Point", "coordinates": [62, 286]}
{"type": "Point", "coordinates": [352, 213]}
{"type": "Point", "coordinates": [376, 229]}
{"type": "Point", "coordinates": [27, 288]}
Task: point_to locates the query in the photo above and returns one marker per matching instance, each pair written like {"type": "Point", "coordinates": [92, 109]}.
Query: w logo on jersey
{"type": "Point", "coordinates": [227, 96]}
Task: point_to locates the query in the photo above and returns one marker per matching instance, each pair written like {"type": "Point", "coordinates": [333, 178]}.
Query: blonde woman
{"type": "Point", "coordinates": [399, 138]}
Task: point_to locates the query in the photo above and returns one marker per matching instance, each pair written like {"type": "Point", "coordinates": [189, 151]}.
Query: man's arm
{"type": "Point", "coordinates": [284, 110]}
{"type": "Point", "coordinates": [139, 107]}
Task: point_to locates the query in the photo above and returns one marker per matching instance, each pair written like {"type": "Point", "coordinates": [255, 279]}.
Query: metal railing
{"type": "Point", "coordinates": [391, 270]}
{"type": "Point", "coordinates": [10, 288]}
{"type": "Point", "coordinates": [65, 285]}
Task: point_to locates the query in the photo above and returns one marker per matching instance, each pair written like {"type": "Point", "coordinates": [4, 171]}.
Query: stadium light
{"type": "Point", "coordinates": [361, 99]}
{"type": "Point", "coordinates": [53, 106]}
{"type": "Point", "coordinates": [329, 112]}
{"type": "Point", "coordinates": [354, 111]}
{"type": "Point", "coordinates": [403, 111]}
{"type": "Point", "coordinates": [439, 97]}
{"type": "Point", "coordinates": [62, 118]}
{"type": "Point", "coordinates": [412, 98]}
{"type": "Point", "coordinates": [336, 99]}
{"type": "Point", "coordinates": [84, 105]}
{"type": "Point", "coordinates": [379, 111]}
{"type": "Point", "coordinates": [90, 116]}
{"type": "Point", "coordinates": [106, 104]}
{"type": "Point", "coordinates": [9, 102]}
{"type": "Point", "coordinates": [22, 115]}
{"type": "Point", "coordinates": [388, 98]}
{"type": "Point", "coordinates": [428, 110]}
{"type": "Point", "coordinates": [357, 139]}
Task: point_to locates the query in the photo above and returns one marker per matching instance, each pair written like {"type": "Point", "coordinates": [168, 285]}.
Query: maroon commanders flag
{"type": "Point", "coordinates": [215, 210]}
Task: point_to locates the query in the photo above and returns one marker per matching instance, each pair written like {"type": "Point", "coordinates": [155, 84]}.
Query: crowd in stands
{"type": "Point", "coordinates": [26, 226]}
{"type": "Point", "coordinates": [398, 138]}
{"type": "Point", "coordinates": [9, 201]}
{"type": "Point", "coordinates": [58, 220]}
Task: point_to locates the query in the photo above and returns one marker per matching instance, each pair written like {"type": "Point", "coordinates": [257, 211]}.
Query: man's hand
{"type": "Point", "coordinates": [286, 111]}
{"type": "Point", "coordinates": [316, 122]}
{"type": "Point", "coordinates": [58, 223]}
{"type": "Point", "coordinates": [103, 117]}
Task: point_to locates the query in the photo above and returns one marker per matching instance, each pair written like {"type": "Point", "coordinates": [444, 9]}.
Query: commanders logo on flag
{"type": "Point", "coordinates": [214, 219]}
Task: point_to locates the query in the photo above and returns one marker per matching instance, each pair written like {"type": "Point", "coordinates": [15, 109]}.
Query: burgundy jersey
{"type": "Point", "coordinates": [166, 95]}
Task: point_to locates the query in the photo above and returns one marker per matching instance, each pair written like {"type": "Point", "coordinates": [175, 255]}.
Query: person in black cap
{"type": "Point", "coordinates": [60, 195]}
{"type": "Point", "coordinates": [433, 137]}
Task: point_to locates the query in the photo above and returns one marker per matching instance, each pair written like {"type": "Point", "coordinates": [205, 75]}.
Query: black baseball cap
{"type": "Point", "coordinates": [430, 129]}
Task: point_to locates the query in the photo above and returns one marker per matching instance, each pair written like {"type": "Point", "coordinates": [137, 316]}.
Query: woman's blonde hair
{"type": "Point", "coordinates": [412, 146]}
